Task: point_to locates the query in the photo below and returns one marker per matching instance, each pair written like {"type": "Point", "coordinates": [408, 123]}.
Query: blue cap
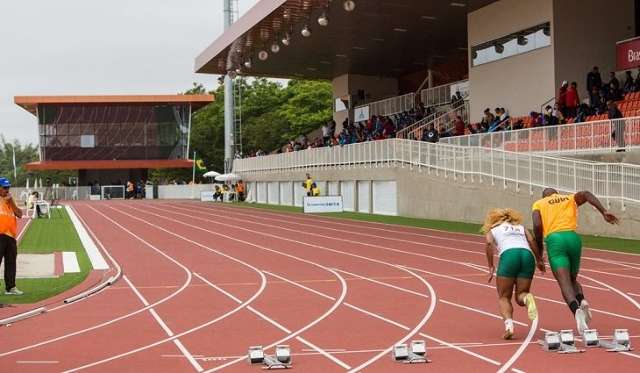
{"type": "Point", "coordinates": [4, 182]}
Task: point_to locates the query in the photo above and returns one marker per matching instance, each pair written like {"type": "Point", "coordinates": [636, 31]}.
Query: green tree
{"type": "Point", "coordinates": [26, 154]}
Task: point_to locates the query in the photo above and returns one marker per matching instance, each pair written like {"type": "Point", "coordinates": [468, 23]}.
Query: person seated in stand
{"type": "Point", "coordinates": [430, 135]}
{"type": "Point", "coordinates": [315, 191]}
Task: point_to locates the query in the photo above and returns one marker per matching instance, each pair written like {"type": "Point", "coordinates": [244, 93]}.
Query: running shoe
{"type": "Point", "coordinates": [532, 310]}
{"type": "Point", "coordinates": [508, 329]}
{"type": "Point", "coordinates": [13, 291]}
{"type": "Point", "coordinates": [581, 321]}
{"type": "Point", "coordinates": [584, 306]}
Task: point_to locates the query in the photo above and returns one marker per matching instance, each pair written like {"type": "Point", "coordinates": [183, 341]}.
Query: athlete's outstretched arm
{"type": "Point", "coordinates": [489, 247]}
{"type": "Point", "coordinates": [537, 229]}
{"type": "Point", "coordinates": [586, 196]}
{"type": "Point", "coordinates": [537, 251]}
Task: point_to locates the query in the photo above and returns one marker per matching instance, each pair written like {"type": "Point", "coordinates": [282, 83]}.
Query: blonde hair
{"type": "Point", "coordinates": [498, 216]}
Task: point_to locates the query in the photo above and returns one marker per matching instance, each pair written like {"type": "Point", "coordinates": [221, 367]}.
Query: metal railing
{"type": "Point", "coordinates": [438, 119]}
{"type": "Point", "coordinates": [611, 181]}
{"type": "Point", "coordinates": [573, 138]}
{"type": "Point", "coordinates": [441, 95]}
{"type": "Point", "coordinates": [392, 105]}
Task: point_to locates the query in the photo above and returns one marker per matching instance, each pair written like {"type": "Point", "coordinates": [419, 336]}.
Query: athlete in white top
{"type": "Point", "coordinates": [516, 248]}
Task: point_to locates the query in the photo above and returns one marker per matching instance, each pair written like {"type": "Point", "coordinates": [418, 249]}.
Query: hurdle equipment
{"type": "Point", "coordinates": [415, 354]}
{"type": "Point", "coordinates": [562, 343]}
{"type": "Point", "coordinates": [620, 342]}
{"type": "Point", "coordinates": [281, 359]}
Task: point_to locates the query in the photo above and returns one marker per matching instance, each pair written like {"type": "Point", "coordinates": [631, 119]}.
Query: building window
{"type": "Point", "coordinates": [512, 45]}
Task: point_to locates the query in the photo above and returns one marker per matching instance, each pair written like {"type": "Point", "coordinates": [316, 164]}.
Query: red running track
{"type": "Point", "coordinates": [204, 282]}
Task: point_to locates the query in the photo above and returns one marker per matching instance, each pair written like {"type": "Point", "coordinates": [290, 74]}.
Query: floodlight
{"type": "Point", "coordinates": [263, 55]}
{"type": "Point", "coordinates": [248, 64]}
{"type": "Point", "coordinates": [590, 337]}
{"type": "Point", "coordinates": [283, 354]}
{"type": "Point", "coordinates": [275, 48]}
{"type": "Point", "coordinates": [305, 31]}
{"type": "Point", "coordinates": [256, 355]}
{"type": "Point", "coordinates": [231, 74]}
{"type": "Point", "coordinates": [286, 39]}
{"type": "Point", "coordinates": [323, 20]}
{"type": "Point", "coordinates": [349, 5]}
{"type": "Point", "coordinates": [499, 48]}
{"type": "Point", "coordinates": [522, 40]}
{"type": "Point", "coordinates": [474, 54]}
{"type": "Point", "coordinates": [400, 352]}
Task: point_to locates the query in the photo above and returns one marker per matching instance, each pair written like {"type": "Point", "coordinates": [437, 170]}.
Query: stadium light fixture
{"type": "Point", "coordinates": [248, 64]}
{"type": "Point", "coordinates": [499, 48]}
{"type": "Point", "coordinates": [323, 20]}
{"type": "Point", "coordinates": [349, 5]}
{"type": "Point", "coordinates": [232, 74]}
{"type": "Point", "coordinates": [546, 30]}
{"type": "Point", "coordinates": [474, 54]}
{"type": "Point", "coordinates": [263, 55]}
{"type": "Point", "coordinates": [522, 40]}
{"type": "Point", "coordinates": [286, 40]}
{"type": "Point", "coordinates": [275, 48]}
{"type": "Point", "coordinates": [306, 32]}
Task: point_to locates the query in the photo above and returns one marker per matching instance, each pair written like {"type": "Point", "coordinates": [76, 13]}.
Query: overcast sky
{"type": "Point", "coordinates": [75, 47]}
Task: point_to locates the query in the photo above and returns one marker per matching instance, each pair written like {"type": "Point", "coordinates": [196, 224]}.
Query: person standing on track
{"type": "Point", "coordinates": [555, 219]}
{"type": "Point", "coordinates": [516, 249]}
{"type": "Point", "coordinates": [8, 233]}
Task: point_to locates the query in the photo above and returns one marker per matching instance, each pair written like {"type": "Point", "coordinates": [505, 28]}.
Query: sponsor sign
{"type": "Point", "coordinates": [361, 114]}
{"type": "Point", "coordinates": [206, 196]}
{"type": "Point", "coordinates": [628, 54]}
{"type": "Point", "coordinates": [314, 205]}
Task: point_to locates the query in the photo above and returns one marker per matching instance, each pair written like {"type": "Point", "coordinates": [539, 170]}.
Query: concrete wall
{"type": "Point", "coordinates": [520, 83]}
{"type": "Point", "coordinates": [585, 34]}
{"type": "Point", "coordinates": [424, 195]}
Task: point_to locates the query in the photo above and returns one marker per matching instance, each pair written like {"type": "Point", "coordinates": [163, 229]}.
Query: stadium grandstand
{"type": "Point", "coordinates": [441, 86]}
{"type": "Point", "coordinates": [112, 138]}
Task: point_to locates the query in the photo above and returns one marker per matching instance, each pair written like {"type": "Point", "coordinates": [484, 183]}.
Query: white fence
{"type": "Point", "coordinates": [462, 163]}
{"type": "Point", "coordinates": [580, 137]}
{"type": "Point", "coordinates": [441, 95]}
{"type": "Point", "coordinates": [438, 119]}
{"type": "Point", "coordinates": [390, 106]}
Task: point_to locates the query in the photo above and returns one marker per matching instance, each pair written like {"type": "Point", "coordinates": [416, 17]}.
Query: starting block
{"type": "Point", "coordinates": [415, 355]}
{"type": "Point", "coordinates": [562, 343]}
{"type": "Point", "coordinates": [590, 338]}
{"type": "Point", "coordinates": [620, 341]}
{"type": "Point", "coordinates": [281, 360]}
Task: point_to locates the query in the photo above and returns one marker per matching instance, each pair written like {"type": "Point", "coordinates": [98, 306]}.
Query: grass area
{"type": "Point", "coordinates": [46, 236]}
{"type": "Point", "coordinates": [596, 242]}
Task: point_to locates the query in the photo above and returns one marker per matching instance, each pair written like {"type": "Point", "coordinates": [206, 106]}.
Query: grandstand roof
{"type": "Point", "coordinates": [382, 38]}
{"type": "Point", "coordinates": [109, 164]}
{"type": "Point", "coordinates": [30, 103]}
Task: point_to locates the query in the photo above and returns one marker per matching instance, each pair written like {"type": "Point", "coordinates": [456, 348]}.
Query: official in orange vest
{"type": "Point", "coordinates": [240, 190]}
{"type": "Point", "coordinates": [9, 211]}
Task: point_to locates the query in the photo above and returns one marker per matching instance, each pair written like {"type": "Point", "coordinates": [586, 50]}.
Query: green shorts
{"type": "Point", "coordinates": [565, 250]}
{"type": "Point", "coordinates": [517, 263]}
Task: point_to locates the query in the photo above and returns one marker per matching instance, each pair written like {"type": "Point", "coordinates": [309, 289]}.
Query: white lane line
{"type": "Point", "coordinates": [415, 330]}
{"type": "Point", "coordinates": [392, 322]}
{"type": "Point", "coordinates": [165, 327]}
{"type": "Point", "coordinates": [278, 325]}
{"type": "Point", "coordinates": [106, 323]}
{"type": "Point", "coordinates": [263, 284]}
{"type": "Point", "coordinates": [336, 304]}
{"type": "Point", "coordinates": [24, 230]}
{"type": "Point", "coordinates": [37, 362]}
{"type": "Point", "coordinates": [523, 346]}
{"type": "Point", "coordinates": [95, 256]}
{"type": "Point", "coordinates": [316, 228]}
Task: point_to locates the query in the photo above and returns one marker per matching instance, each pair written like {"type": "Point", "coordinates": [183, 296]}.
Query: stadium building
{"type": "Point", "coordinates": [389, 57]}
{"type": "Point", "coordinates": [112, 139]}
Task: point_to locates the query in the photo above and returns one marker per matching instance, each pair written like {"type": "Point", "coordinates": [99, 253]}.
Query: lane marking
{"type": "Point", "coordinates": [165, 327]}
{"type": "Point", "coordinates": [94, 254]}
{"type": "Point", "coordinates": [70, 262]}
{"type": "Point", "coordinates": [37, 362]}
{"type": "Point", "coordinates": [201, 326]}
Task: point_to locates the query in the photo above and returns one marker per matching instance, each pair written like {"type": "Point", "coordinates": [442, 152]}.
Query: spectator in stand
{"type": "Point", "coordinates": [583, 113]}
{"type": "Point", "coordinates": [614, 88]}
{"type": "Point", "coordinates": [572, 100]}
{"type": "Point", "coordinates": [594, 79]}
{"type": "Point", "coordinates": [326, 135]}
{"type": "Point", "coordinates": [487, 120]}
{"type": "Point", "coordinates": [536, 119]}
{"type": "Point", "coordinates": [618, 125]}
{"type": "Point", "coordinates": [549, 118]}
{"type": "Point", "coordinates": [260, 153]}
{"type": "Point", "coordinates": [430, 135]}
{"type": "Point", "coordinates": [518, 125]}
{"type": "Point", "coordinates": [442, 132]}
{"type": "Point", "coordinates": [559, 114]}
{"type": "Point", "coordinates": [458, 126]}
{"type": "Point", "coordinates": [595, 100]}
{"type": "Point", "coordinates": [629, 84]}
{"type": "Point", "coordinates": [561, 99]}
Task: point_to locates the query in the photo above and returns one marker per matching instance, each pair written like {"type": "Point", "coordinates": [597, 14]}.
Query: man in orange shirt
{"type": "Point", "coordinates": [8, 233]}
{"type": "Point", "coordinates": [555, 219]}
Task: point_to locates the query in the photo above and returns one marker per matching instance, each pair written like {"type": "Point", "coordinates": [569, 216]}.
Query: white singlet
{"type": "Point", "coordinates": [509, 236]}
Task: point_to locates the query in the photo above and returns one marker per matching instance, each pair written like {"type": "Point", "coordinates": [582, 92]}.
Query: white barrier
{"type": "Point", "coordinates": [323, 204]}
